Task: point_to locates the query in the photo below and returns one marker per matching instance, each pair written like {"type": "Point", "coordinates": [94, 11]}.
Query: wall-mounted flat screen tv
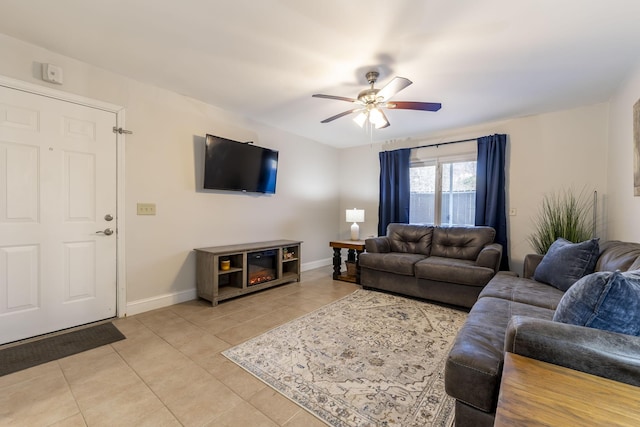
{"type": "Point", "coordinates": [237, 166]}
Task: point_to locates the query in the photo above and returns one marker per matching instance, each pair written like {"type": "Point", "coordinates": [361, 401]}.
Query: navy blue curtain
{"type": "Point", "coordinates": [490, 189]}
{"type": "Point", "coordinates": [394, 188]}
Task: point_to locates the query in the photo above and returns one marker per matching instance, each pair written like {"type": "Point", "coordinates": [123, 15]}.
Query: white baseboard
{"type": "Point", "coordinates": [315, 264]}
{"type": "Point", "coordinates": [147, 304]}
{"type": "Point", "coordinates": [153, 303]}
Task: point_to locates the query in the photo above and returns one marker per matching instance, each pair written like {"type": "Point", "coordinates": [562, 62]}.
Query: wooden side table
{"type": "Point", "coordinates": [354, 249]}
{"type": "Point", "coordinates": [535, 393]}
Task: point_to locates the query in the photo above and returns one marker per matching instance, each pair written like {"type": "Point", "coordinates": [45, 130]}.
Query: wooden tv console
{"type": "Point", "coordinates": [215, 284]}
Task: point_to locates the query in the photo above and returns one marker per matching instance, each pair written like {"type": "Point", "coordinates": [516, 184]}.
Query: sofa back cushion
{"type": "Point", "coordinates": [461, 242]}
{"type": "Point", "coordinates": [410, 238]}
{"type": "Point", "coordinates": [617, 255]}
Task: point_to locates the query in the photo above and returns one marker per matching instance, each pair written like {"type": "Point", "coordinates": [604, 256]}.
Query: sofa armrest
{"type": "Point", "coordinates": [490, 256]}
{"type": "Point", "coordinates": [531, 262]}
{"type": "Point", "coordinates": [377, 244]}
{"type": "Point", "coordinates": [594, 351]}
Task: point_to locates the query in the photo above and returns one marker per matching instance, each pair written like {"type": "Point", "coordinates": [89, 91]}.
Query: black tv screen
{"type": "Point", "coordinates": [237, 166]}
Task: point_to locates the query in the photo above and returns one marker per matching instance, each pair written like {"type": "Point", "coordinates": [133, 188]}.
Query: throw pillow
{"type": "Point", "coordinates": [605, 300]}
{"type": "Point", "coordinates": [565, 263]}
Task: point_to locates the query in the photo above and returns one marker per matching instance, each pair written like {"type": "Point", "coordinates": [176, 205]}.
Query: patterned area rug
{"type": "Point", "coordinates": [369, 359]}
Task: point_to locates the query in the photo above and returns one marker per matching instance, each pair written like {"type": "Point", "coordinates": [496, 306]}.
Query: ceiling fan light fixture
{"type": "Point", "coordinates": [361, 118]}
{"type": "Point", "coordinates": [377, 119]}
{"type": "Point", "coordinates": [381, 125]}
{"type": "Point", "coordinates": [371, 101]}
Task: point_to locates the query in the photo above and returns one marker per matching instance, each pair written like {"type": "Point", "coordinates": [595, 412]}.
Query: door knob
{"type": "Point", "coordinates": [108, 217]}
{"type": "Point", "coordinates": [107, 232]}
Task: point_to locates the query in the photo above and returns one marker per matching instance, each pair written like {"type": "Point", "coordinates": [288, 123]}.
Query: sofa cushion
{"type": "Point", "coordinates": [520, 289]}
{"type": "Point", "coordinates": [410, 238]}
{"type": "Point", "coordinates": [461, 242]}
{"type": "Point", "coordinates": [392, 262]}
{"type": "Point", "coordinates": [566, 262]}
{"type": "Point", "coordinates": [377, 244]}
{"type": "Point", "coordinates": [474, 365]}
{"type": "Point", "coordinates": [453, 270]}
{"type": "Point", "coordinates": [604, 300]}
{"type": "Point", "coordinates": [617, 255]}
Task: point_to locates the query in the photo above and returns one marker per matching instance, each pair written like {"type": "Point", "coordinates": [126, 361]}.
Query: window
{"type": "Point", "coordinates": [443, 191]}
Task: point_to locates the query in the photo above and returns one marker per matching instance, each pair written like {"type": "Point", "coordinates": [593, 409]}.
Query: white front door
{"type": "Point", "coordinates": [57, 195]}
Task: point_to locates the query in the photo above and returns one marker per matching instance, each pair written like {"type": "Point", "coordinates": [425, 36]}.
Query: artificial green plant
{"type": "Point", "coordinates": [565, 214]}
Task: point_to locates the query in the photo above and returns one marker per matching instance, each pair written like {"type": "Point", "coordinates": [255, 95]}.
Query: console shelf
{"type": "Point", "coordinates": [215, 284]}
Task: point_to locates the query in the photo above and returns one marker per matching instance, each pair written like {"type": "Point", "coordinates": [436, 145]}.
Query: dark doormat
{"type": "Point", "coordinates": [23, 356]}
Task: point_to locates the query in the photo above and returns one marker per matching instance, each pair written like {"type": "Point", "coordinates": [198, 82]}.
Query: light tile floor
{"type": "Point", "coordinates": [170, 370]}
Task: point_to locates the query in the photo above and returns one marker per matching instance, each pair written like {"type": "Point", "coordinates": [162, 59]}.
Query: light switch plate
{"type": "Point", "coordinates": [146, 208]}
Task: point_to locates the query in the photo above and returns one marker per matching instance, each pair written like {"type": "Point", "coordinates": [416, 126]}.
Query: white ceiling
{"type": "Point", "coordinates": [484, 60]}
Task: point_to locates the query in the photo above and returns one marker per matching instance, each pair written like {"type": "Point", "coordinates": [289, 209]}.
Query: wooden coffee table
{"type": "Point", "coordinates": [535, 393]}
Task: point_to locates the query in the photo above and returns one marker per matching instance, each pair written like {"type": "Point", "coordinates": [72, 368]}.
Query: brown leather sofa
{"type": "Point", "coordinates": [445, 264]}
{"type": "Point", "coordinates": [515, 314]}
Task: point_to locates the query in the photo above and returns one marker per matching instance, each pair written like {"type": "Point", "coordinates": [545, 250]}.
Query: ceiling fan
{"type": "Point", "coordinates": [371, 101]}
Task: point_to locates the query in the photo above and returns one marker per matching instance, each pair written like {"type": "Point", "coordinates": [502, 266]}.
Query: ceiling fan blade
{"type": "Point", "coordinates": [337, 116]}
{"type": "Point", "coordinates": [424, 106]}
{"type": "Point", "coordinates": [339, 98]}
{"type": "Point", "coordinates": [393, 87]}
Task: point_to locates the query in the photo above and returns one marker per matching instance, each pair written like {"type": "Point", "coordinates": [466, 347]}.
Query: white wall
{"type": "Point", "coordinates": [359, 177]}
{"type": "Point", "coordinates": [546, 153]}
{"type": "Point", "coordinates": [623, 209]}
{"type": "Point", "coordinates": [164, 166]}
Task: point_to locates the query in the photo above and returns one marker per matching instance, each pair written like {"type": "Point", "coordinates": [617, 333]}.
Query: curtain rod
{"type": "Point", "coordinates": [437, 144]}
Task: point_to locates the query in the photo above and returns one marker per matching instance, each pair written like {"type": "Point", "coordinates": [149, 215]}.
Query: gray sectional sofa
{"type": "Point", "coordinates": [446, 264]}
{"type": "Point", "coordinates": [516, 314]}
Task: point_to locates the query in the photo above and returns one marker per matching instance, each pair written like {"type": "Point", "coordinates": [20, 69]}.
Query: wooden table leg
{"type": "Point", "coordinates": [358, 266]}
{"type": "Point", "coordinates": [337, 261]}
{"type": "Point", "coordinates": [351, 255]}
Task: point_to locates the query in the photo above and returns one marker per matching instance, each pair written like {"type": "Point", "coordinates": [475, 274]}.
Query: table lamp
{"type": "Point", "coordinates": [355, 215]}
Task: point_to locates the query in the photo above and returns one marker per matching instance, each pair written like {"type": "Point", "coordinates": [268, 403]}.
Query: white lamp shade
{"type": "Point", "coordinates": [360, 119]}
{"type": "Point", "coordinates": [376, 118]}
{"type": "Point", "coordinates": [355, 215]}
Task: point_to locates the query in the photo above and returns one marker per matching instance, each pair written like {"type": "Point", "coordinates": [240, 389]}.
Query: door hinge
{"type": "Point", "coordinates": [121, 131]}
